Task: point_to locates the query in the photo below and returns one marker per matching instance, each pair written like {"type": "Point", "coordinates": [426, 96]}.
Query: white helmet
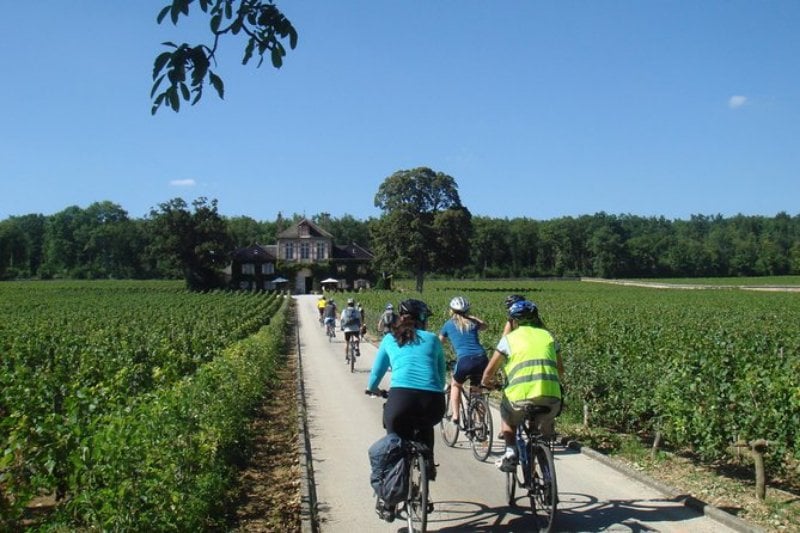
{"type": "Point", "coordinates": [459, 304]}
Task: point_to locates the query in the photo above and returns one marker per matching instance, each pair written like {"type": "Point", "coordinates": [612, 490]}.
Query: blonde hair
{"type": "Point", "coordinates": [463, 324]}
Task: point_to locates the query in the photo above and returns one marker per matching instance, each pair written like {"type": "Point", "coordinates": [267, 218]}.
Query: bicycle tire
{"type": "Point", "coordinates": [544, 489]}
{"type": "Point", "coordinates": [448, 428]}
{"type": "Point", "coordinates": [417, 498]}
{"type": "Point", "coordinates": [481, 428]}
{"type": "Point", "coordinates": [352, 356]}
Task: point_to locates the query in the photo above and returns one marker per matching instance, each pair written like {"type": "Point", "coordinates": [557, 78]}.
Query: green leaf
{"type": "Point", "coordinates": [184, 91]}
{"type": "Point", "coordinates": [292, 38]}
{"type": "Point", "coordinates": [277, 55]}
{"type": "Point", "coordinates": [162, 14]}
{"type": "Point", "coordinates": [174, 99]}
{"type": "Point", "coordinates": [216, 82]}
{"type": "Point", "coordinates": [156, 84]}
{"type": "Point", "coordinates": [248, 51]}
{"type": "Point", "coordinates": [159, 63]}
{"type": "Point", "coordinates": [216, 20]}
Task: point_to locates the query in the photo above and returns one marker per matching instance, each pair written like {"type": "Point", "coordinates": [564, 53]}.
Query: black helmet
{"type": "Point", "coordinates": [511, 299]}
{"type": "Point", "coordinates": [416, 308]}
{"type": "Point", "coordinates": [522, 310]}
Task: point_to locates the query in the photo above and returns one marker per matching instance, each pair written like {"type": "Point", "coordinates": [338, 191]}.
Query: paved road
{"type": "Point", "coordinates": [469, 495]}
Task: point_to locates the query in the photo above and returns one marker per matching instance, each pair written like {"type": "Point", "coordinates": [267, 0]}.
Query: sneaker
{"type": "Point", "coordinates": [385, 512]}
{"type": "Point", "coordinates": [507, 463]}
{"type": "Point", "coordinates": [431, 472]}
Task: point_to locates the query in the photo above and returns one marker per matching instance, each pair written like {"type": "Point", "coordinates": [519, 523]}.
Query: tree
{"type": "Point", "coordinates": [194, 243]}
{"type": "Point", "coordinates": [184, 68]}
{"type": "Point", "coordinates": [423, 225]}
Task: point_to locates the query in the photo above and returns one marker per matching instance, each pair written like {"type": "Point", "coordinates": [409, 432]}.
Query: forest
{"type": "Point", "coordinates": [102, 241]}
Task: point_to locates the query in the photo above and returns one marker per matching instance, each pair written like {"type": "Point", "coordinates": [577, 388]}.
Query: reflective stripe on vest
{"type": "Point", "coordinates": [531, 368]}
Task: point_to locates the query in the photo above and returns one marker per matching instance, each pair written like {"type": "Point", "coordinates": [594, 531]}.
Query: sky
{"type": "Point", "coordinates": [536, 109]}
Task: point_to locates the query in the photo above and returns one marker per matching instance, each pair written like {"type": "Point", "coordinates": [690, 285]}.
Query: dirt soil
{"type": "Point", "coordinates": [269, 486]}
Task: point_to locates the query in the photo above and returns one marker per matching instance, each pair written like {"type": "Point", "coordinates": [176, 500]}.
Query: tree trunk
{"type": "Point", "coordinates": [420, 277]}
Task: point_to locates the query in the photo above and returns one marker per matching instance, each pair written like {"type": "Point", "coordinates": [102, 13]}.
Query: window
{"type": "Point", "coordinates": [320, 250]}
{"type": "Point", "coordinates": [362, 269]}
{"type": "Point", "coordinates": [288, 251]}
{"type": "Point", "coordinates": [304, 230]}
{"type": "Point", "coordinates": [341, 269]}
{"type": "Point", "coordinates": [267, 268]}
{"type": "Point", "coordinates": [305, 250]}
{"type": "Point", "coordinates": [248, 268]}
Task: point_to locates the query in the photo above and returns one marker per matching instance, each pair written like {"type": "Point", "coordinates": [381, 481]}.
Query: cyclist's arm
{"type": "Point", "coordinates": [497, 360]}
{"type": "Point", "coordinates": [480, 323]}
{"type": "Point", "coordinates": [379, 368]}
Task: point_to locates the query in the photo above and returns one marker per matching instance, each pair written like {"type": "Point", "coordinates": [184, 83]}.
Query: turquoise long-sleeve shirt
{"type": "Point", "coordinates": [417, 365]}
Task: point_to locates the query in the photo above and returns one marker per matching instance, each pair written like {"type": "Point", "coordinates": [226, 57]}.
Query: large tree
{"type": "Point", "coordinates": [423, 226]}
{"type": "Point", "coordinates": [181, 71]}
{"type": "Point", "coordinates": [195, 243]}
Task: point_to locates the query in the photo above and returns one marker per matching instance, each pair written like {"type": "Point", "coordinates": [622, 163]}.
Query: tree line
{"type": "Point", "coordinates": [178, 240]}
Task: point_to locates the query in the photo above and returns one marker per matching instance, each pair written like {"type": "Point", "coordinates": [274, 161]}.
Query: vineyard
{"type": "Point", "coordinates": [706, 369]}
{"type": "Point", "coordinates": [126, 403]}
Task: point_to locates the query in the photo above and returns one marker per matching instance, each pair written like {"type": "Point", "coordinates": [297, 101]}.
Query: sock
{"type": "Point", "coordinates": [511, 452]}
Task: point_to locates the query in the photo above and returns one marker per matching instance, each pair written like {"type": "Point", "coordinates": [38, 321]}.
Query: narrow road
{"type": "Point", "coordinates": [468, 495]}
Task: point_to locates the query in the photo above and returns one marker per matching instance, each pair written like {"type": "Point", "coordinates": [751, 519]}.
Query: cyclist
{"type": "Point", "coordinates": [387, 319]}
{"type": "Point", "coordinates": [534, 371]}
{"type": "Point", "coordinates": [350, 323]}
{"type": "Point", "coordinates": [416, 357]}
{"type": "Point", "coordinates": [321, 307]}
{"type": "Point", "coordinates": [511, 299]}
{"type": "Point", "coordinates": [462, 330]}
{"type": "Point", "coordinates": [329, 313]}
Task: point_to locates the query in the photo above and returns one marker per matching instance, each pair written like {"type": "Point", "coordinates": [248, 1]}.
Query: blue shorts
{"type": "Point", "coordinates": [470, 366]}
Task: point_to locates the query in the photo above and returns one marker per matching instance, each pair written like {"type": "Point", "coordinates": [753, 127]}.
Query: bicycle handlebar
{"type": "Point", "coordinates": [380, 393]}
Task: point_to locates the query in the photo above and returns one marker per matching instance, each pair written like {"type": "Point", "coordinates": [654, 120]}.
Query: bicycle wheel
{"type": "Point", "coordinates": [417, 499]}
{"type": "Point", "coordinates": [544, 490]}
{"type": "Point", "coordinates": [352, 355]}
{"type": "Point", "coordinates": [448, 428]}
{"type": "Point", "coordinates": [480, 422]}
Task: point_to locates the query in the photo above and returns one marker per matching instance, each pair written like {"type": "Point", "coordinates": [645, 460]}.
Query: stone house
{"type": "Point", "coordinates": [303, 257]}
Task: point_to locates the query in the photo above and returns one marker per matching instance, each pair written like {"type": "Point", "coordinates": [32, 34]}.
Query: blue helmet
{"type": "Point", "coordinates": [511, 299]}
{"type": "Point", "coordinates": [522, 310]}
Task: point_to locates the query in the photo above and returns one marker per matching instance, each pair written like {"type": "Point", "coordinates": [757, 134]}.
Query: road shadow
{"type": "Point", "coordinates": [576, 512]}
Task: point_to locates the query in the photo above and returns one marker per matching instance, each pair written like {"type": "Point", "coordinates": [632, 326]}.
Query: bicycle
{"type": "Point", "coordinates": [353, 351]}
{"type": "Point", "coordinates": [536, 471]}
{"type": "Point", "coordinates": [330, 329]}
{"type": "Point", "coordinates": [475, 419]}
{"type": "Point", "coordinates": [416, 506]}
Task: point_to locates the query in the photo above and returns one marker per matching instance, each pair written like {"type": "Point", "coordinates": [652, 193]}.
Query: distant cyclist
{"type": "Point", "coordinates": [388, 318]}
{"type": "Point", "coordinates": [321, 303]}
{"type": "Point", "coordinates": [329, 314]}
{"type": "Point", "coordinates": [350, 323]}
{"type": "Point", "coordinates": [462, 331]}
{"type": "Point", "coordinates": [511, 299]}
{"type": "Point", "coordinates": [534, 371]}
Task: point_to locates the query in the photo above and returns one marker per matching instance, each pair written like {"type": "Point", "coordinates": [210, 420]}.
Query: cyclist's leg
{"type": "Point", "coordinates": [510, 418]}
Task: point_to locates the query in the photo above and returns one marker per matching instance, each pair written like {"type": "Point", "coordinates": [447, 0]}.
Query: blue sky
{"type": "Point", "coordinates": [536, 109]}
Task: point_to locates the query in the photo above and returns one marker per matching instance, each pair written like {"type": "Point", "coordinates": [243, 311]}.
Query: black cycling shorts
{"type": "Point", "coordinates": [470, 366]}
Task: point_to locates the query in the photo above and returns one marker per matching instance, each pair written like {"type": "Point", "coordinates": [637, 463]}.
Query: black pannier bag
{"type": "Point", "coordinates": [389, 477]}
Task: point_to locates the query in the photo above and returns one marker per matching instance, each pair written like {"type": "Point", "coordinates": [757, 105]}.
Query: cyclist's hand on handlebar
{"type": "Point", "coordinates": [377, 393]}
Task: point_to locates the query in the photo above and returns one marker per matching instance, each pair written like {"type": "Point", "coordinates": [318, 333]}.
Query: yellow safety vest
{"type": "Point", "coordinates": [531, 368]}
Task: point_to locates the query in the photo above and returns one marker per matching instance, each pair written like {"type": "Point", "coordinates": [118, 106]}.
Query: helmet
{"type": "Point", "coordinates": [389, 307]}
{"type": "Point", "coordinates": [350, 301]}
{"type": "Point", "coordinates": [511, 299]}
{"type": "Point", "coordinates": [416, 308]}
{"type": "Point", "coordinates": [522, 310]}
{"type": "Point", "coordinates": [459, 304]}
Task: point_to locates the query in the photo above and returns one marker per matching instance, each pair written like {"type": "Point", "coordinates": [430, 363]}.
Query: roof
{"type": "Point", "coordinates": [351, 251]}
{"type": "Point", "coordinates": [313, 231]}
{"type": "Point", "coordinates": [256, 253]}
